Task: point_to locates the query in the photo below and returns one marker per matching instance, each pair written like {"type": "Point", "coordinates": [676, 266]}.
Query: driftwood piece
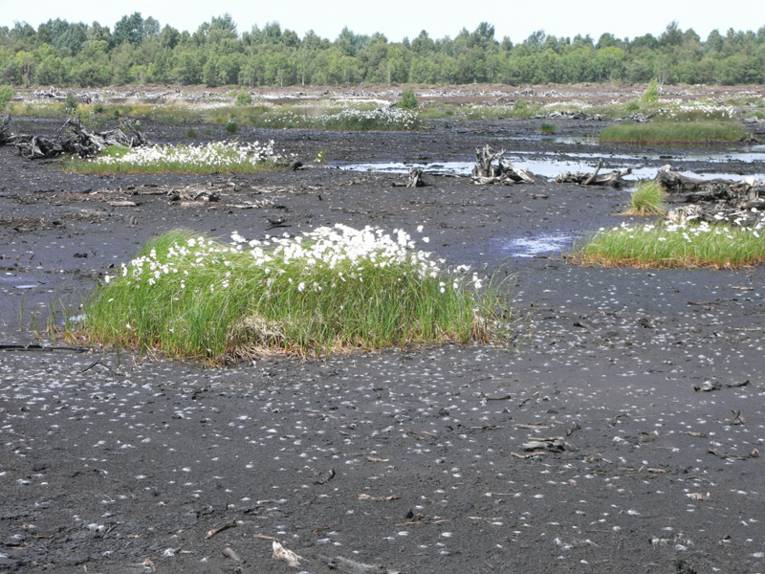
{"type": "Point", "coordinates": [613, 178]}
{"type": "Point", "coordinates": [491, 168]}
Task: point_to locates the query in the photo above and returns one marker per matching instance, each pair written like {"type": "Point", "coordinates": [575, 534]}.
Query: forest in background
{"type": "Point", "coordinates": [140, 50]}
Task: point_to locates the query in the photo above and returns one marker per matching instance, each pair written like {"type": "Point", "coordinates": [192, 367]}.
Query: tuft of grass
{"type": "Point", "coordinates": [192, 297]}
{"type": "Point", "coordinates": [664, 246]}
{"type": "Point", "coordinates": [666, 132]}
{"type": "Point", "coordinates": [650, 96]}
{"type": "Point", "coordinates": [647, 199]}
{"type": "Point", "coordinates": [547, 128]}
{"type": "Point", "coordinates": [231, 126]}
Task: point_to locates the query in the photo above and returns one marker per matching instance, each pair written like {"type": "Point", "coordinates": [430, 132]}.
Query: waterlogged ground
{"type": "Point", "coordinates": [414, 460]}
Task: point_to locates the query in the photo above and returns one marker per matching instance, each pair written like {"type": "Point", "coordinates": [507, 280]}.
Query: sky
{"type": "Point", "coordinates": [405, 18]}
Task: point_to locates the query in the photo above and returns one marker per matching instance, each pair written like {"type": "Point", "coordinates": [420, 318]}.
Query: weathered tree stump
{"type": "Point", "coordinates": [491, 168]}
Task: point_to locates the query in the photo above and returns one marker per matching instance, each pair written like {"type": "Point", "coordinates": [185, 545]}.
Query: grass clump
{"type": "Point", "coordinates": [668, 132]}
{"type": "Point", "coordinates": [547, 129]}
{"type": "Point", "coordinates": [647, 199]}
{"type": "Point", "coordinates": [216, 157]}
{"type": "Point", "coordinates": [718, 246]}
{"type": "Point", "coordinates": [328, 290]}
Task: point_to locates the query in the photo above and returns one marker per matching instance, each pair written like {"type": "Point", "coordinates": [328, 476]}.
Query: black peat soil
{"type": "Point", "coordinates": [412, 460]}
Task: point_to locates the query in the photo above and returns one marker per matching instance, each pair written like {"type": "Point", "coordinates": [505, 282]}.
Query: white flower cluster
{"type": "Point", "coordinates": [216, 154]}
{"type": "Point", "coordinates": [392, 117]}
{"type": "Point", "coordinates": [678, 107]}
{"type": "Point", "coordinates": [349, 118]}
{"type": "Point", "coordinates": [688, 229]}
{"type": "Point", "coordinates": [337, 254]}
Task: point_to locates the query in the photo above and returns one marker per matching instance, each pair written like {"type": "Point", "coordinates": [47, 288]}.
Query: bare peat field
{"type": "Point", "coordinates": [620, 431]}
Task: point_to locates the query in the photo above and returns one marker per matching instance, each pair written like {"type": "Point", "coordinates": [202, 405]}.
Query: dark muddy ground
{"type": "Point", "coordinates": [406, 459]}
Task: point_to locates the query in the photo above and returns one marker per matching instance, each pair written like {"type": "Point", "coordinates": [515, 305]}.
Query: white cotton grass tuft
{"type": "Point", "coordinates": [328, 289]}
{"type": "Point", "coordinates": [195, 158]}
{"type": "Point", "coordinates": [680, 242]}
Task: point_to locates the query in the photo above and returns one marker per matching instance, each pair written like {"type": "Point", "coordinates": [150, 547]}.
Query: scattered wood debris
{"type": "Point", "coordinates": [196, 194]}
{"type": "Point", "coordinates": [73, 138]}
{"type": "Point", "coordinates": [215, 531]}
{"type": "Point", "coordinates": [754, 453]}
{"type": "Point", "coordinates": [712, 200]}
{"type": "Point", "coordinates": [369, 497]}
{"type": "Point", "coordinates": [709, 386]}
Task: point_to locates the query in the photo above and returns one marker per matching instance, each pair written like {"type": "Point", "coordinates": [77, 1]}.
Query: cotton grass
{"type": "Point", "coordinates": [689, 244]}
{"type": "Point", "coordinates": [215, 157]}
{"type": "Point", "coordinates": [332, 289]}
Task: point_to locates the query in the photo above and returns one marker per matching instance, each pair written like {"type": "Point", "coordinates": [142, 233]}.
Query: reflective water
{"type": "Point", "coordinates": [544, 167]}
{"type": "Point", "coordinates": [542, 244]}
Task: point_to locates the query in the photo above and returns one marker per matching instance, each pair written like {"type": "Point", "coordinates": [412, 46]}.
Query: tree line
{"type": "Point", "coordinates": [140, 50]}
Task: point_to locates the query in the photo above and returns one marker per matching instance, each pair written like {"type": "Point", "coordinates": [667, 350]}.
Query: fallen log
{"type": "Point", "coordinates": [613, 178]}
{"type": "Point", "coordinates": [491, 168]}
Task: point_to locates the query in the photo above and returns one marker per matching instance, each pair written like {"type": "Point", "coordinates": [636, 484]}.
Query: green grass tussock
{"type": "Point", "coordinates": [667, 132]}
{"type": "Point", "coordinates": [666, 245]}
{"type": "Point", "coordinates": [647, 199]}
{"type": "Point", "coordinates": [333, 289]}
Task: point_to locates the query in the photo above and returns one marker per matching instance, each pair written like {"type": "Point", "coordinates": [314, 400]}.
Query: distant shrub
{"type": "Point", "coordinates": [408, 100]}
{"type": "Point", "coordinates": [191, 133]}
{"type": "Point", "coordinates": [650, 96]}
{"type": "Point", "coordinates": [231, 126]}
{"type": "Point", "coordinates": [6, 95]}
{"type": "Point", "coordinates": [243, 99]}
{"type": "Point", "coordinates": [71, 104]}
